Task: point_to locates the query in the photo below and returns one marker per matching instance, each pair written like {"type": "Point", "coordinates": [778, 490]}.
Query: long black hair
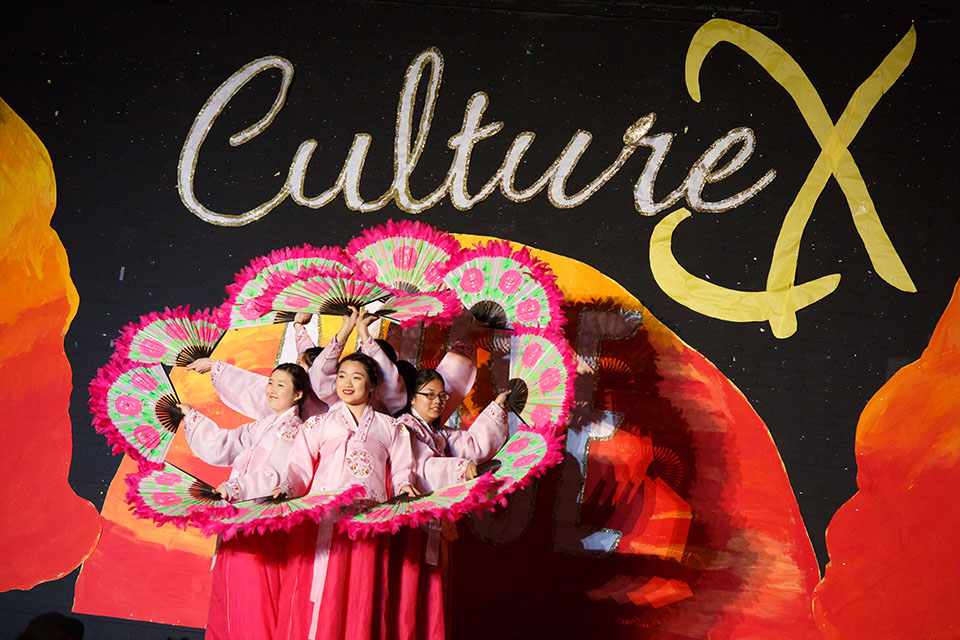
{"type": "Point", "coordinates": [301, 381]}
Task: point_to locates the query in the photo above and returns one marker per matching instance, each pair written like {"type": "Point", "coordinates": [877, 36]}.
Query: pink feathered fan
{"type": "Point", "coordinates": [405, 255]}
{"type": "Point", "coordinates": [238, 310]}
{"type": "Point", "coordinates": [174, 337]}
{"type": "Point", "coordinates": [505, 288]}
{"type": "Point", "coordinates": [135, 407]}
{"type": "Point", "coordinates": [542, 373]}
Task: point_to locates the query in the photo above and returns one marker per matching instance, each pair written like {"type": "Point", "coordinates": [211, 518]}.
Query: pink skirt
{"type": "Point", "coordinates": [377, 588]}
{"type": "Point", "coordinates": [245, 593]}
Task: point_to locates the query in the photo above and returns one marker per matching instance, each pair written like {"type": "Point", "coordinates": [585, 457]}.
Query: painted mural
{"type": "Point", "coordinates": [726, 406]}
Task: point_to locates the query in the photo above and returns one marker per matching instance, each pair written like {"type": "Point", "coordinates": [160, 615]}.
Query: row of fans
{"type": "Point", "coordinates": [418, 274]}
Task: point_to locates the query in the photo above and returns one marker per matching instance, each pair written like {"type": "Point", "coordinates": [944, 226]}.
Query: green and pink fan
{"type": "Point", "coordinates": [437, 307]}
{"type": "Point", "coordinates": [238, 311]}
{"type": "Point", "coordinates": [447, 503]}
{"type": "Point", "coordinates": [259, 516]}
{"type": "Point", "coordinates": [504, 288]}
{"type": "Point", "coordinates": [327, 292]}
{"type": "Point", "coordinates": [542, 374]}
{"type": "Point", "coordinates": [175, 337]}
{"type": "Point", "coordinates": [170, 494]}
{"type": "Point", "coordinates": [319, 291]}
{"type": "Point", "coordinates": [406, 255]}
{"type": "Point", "coordinates": [526, 455]}
{"type": "Point", "coordinates": [135, 407]}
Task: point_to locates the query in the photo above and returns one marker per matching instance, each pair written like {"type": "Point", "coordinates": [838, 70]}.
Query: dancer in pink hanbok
{"type": "Point", "coordinates": [244, 596]}
{"type": "Point", "coordinates": [331, 586]}
{"type": "Point", "coordinates": [242, 390]}
{"type": "Point", "coordinates": [420, 566]}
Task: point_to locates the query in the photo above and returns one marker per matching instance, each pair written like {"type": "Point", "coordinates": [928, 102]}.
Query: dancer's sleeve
{"type": "Point", "coordinates": [459, 371]}
{"type": "Point", "coordinates": [302, 458]}
{"type": "Point", "coordinates": [212, 444]}
{"type": "Point", "coordinates": [392, 392]}
{"type": "Point", "coordinates": [401, 458]}
{"type": "Point", "coordinates": [323, 373]}
{"type": "Point", "coordinates": [302, 338]}
{"type": "Point", "coordinates": [263, 481]}
{"type": "Point", "coordinates": [241, 390]}
{"type": "Point", "coordinates": [444, 471]}
{"type": "Point", "coordinates": [484, 437]}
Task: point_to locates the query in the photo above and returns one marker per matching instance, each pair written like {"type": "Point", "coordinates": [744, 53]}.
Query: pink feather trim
{"type": "Point", "coordinates": [569, 364]}
{"type": "Point", "coordinates": [260, 264]}
{"type": "Point", "coordinates": [99, 389]}
{"type": "Point", "coordinates": [482, 497]}
{"type": "Point", "coordinates": [403, 229]}
{"type": "Point", "coordinates": [131, 330]}
{"type": "Point", "coordinates": [538, 270]}
{"type": "Point", "coordinates": [555, 448]}
{"type": "Point", "coordinates": [286, 522]}
{"type": "Point", "coordinates": [142, 510]}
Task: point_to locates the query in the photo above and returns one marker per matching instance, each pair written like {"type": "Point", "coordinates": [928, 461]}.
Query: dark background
{"type": "Point", "coordinates": [112, 93]}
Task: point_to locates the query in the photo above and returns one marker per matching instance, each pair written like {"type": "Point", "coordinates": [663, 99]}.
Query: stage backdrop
{"type": "Point", "coordinates": [750, 213]}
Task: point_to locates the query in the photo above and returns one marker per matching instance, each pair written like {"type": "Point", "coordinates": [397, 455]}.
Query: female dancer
{"type": "Point", "coordinates": [242, 390]}
{"type": "Point", "coordinates": [245, 590]}
{"type": "Point", "coordinates": [333, 587]}
{"type": "Point", "coordinates": [420, 560]}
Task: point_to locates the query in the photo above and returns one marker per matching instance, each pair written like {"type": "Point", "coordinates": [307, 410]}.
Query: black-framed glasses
{"type": "Point", "coordinates": [431, 396]}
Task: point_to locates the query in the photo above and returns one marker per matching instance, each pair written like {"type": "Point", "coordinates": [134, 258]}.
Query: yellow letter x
{"type": "Point", "coordinates": [783, 297]}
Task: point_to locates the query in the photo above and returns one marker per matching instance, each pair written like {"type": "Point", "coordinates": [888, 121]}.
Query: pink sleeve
{"type": "Point", "coordinates": [401, 457]}
{"type": "Point", "coordinates": [392, 392]}
{"type": "Point", "coordinates": [459, 373]}
{"type": "Point", "coordinates": [484, 437]}
{"type": "Point", "coordinates": [323, 373]}
{"type": "Point", "coordinates": [298, 471]}
{"type": "Point", "coordinates": [262, 481]}
{"type": "Point", "coordinates": [442, 472]}
{"type": "Point", "coordinates": [213, 445]}
{"type": "Point", "coordinates": [303, 339]}
{"type": "Point", "coordinates": [241, 390]}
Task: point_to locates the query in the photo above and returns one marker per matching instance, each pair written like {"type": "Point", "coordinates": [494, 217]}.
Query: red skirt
{"type": "Point", "coordinates": [245, 593]}
{"type": "Point", "coordinates": [378, 588]}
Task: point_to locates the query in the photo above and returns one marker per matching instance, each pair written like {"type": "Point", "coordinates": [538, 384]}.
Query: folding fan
{"type": "Point", "coordinates": [238, 309]}
{"type": "Point", "coordinates": [449, 502]}
{"type": "Point", "coordinates": [170, 494]}
{"type": "Point", "coordinates": [174, 337]}
{"type": "Point", "coordinates": [135, 407]}
{"type": "Point", "coordinates": [526, 455]}
{"type": "Point", "coordinates": [318, 290]}
{"type": "Point", "coordinates": [264, 514]}
{"type": "Point", "coordinates": [436, 307]}
{"type": "Point", "coordinates": [404, 255]}
{"type": "Point", "coordinates": [542, 372]}
{"type": "Point", "coordinates": [505, 288]}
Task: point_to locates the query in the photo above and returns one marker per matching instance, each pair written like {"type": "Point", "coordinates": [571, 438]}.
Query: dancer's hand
{"type": "Point", "coordinates": [302, 318]}
{"type": "Point", "coordinates": [408, 490]}
{"type": "Point", "coordinates": [363, 325]}
{"type": "Point", "coordinates": [222, 492]}
{"type": "Point", "coordinates": [471, 471]}
{"type": "Point", "coordinates": [278, 494]}
{"type": "Point", "coordinates": [184, 408]}
{"type": "Point", "coordinates": [201, 365]}
{"type": "Point", "coordinates": [349, 322]}
{"type": "Point", "coordinates": [502, 398]}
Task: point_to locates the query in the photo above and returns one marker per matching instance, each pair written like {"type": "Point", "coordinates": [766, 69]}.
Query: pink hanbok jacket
{"type": "Point", "coordinates": [243, 391]}
{"type": "Point", "coordinates": [257, 451]}
{"type": "Point", "coordinates": [333, 452]}
{"type": "Point", "coordinates": [441, 455]}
